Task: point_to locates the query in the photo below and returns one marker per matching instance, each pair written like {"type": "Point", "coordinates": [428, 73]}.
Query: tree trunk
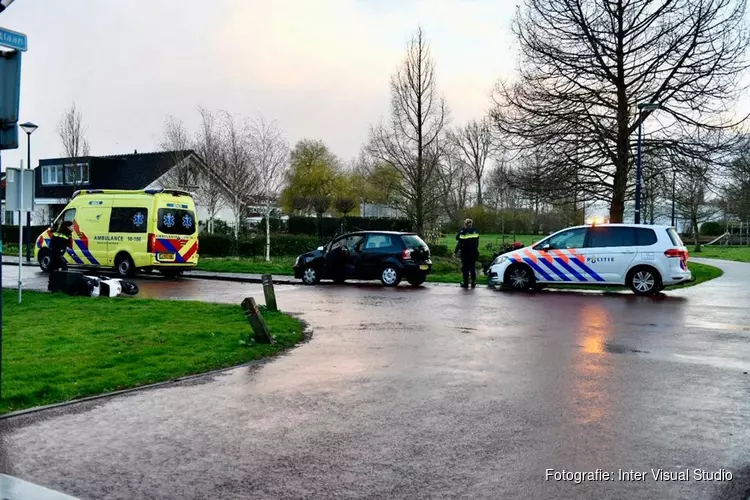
{"type": "Point", "coordinates": [480, 202]}
{"type": "Point", "coordinates": [620, 181]}
{"type": "Point", "coordinates": [268, 232]}
{"type": "Point", "coordinates": [696, 232]}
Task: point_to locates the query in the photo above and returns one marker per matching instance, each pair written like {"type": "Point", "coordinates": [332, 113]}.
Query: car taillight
{"type": "Point", "coordinates": [676, 252]}
{"type": "Point", "coordinates": [151, 243]}
{"type": "Point", "coordinates": [406, 254]}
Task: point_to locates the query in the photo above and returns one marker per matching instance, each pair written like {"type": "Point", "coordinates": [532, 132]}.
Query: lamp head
{"type": "Point", "coordinates": [29, 127]}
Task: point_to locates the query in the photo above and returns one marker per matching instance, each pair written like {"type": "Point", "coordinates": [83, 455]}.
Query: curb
{"type": "Point", "coordinates": [307, 334]}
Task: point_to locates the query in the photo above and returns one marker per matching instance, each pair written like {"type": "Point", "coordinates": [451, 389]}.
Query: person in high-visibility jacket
{"type": "Point", "coordinates": [61, 241]}
{"type": "Point", "coordinates": [468, 244]}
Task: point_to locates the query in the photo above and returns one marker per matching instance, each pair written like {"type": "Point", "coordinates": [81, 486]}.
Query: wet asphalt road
{"type": "Point", "coordinates": [434, 392]}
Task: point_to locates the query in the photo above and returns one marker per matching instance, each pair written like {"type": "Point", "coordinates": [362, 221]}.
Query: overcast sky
{"type": "Point", "coordinates": [321, 68]}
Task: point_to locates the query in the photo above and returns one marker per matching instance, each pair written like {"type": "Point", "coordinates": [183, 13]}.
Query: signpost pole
{"type": "Point", "coordinates": [20, 226]}
{"type": "Point", "coordinates": [1, 298]}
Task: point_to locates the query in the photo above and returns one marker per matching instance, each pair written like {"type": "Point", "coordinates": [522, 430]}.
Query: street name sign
{"type": "Point", "coordinates": [13, 40]}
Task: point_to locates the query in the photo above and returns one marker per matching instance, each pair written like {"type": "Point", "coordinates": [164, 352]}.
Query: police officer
{"type": "Point", "coordinates": [61, 241]}
{"type": "Point", "coordinates": [468, 244]}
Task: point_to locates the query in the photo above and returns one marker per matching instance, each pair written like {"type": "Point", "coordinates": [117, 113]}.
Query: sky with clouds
{"type": "Point", "coordinates": [321, 68]}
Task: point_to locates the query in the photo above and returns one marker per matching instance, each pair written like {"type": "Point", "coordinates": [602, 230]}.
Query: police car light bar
{"type": "Point", "coordinates": [4, 4]}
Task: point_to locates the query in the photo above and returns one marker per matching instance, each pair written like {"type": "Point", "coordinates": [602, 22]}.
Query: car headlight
{"type": "Point", "coordinates": [499, 260]}
{"type": "Point", "coordinates": [296, 262]}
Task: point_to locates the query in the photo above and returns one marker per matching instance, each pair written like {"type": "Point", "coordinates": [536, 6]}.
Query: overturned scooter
{"type": "Point", "coordinates": [76, 283]}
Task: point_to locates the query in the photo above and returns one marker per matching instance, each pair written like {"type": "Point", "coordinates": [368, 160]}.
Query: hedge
{"type": "Point", "coordinates": [712, 228]}
{"type": "Point", "coordinates": [330, 226]}
{"type": "Point", "coordinates": [10, 233]}
{"type": "Point", "coordinates": [220, 245]}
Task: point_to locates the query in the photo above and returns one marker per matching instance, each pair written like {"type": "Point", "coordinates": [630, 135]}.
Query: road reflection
{"type": "Point", "coordinates": [590, 398]}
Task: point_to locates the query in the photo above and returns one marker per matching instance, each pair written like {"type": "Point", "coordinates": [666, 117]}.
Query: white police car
{"type": "Point", "coordinates": [645, 258]}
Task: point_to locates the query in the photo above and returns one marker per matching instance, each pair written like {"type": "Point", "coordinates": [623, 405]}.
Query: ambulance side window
{"type": "Point", "coordinates": [128, 220]}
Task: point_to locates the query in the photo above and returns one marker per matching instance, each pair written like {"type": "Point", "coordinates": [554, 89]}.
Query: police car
{"type": "Point", "coordinates": [645, 258]}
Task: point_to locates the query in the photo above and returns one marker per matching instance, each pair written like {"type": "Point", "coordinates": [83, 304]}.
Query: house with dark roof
{"type": "Point", "coordinates": [57, 179]}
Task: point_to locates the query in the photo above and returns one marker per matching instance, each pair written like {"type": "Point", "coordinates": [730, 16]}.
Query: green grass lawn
{"type": "Point", "coordinates": [740, 254]}
{"type": "Point", "coordinates": [496, 240]}
{"type": "Point", "coordinates": [58, 348]}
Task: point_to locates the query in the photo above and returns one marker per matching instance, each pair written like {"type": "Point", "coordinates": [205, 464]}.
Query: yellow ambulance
{"type": "Point", "coordinates": [153, 229]}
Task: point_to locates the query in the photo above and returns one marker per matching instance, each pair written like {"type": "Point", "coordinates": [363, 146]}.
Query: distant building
{"type": "Point", "coordinates": [377, 210]}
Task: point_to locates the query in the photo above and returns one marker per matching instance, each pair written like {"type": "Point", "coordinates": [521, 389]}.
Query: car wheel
{"type": "Point", "coordinates": [45, 260]}
{"type": "Point", "coordinates": [124, 266]}
{"type": "Point", "coordinates": [170, 273]}
{"type": "Point", "coordinates": [390, 276]}
{"type": "Point", "coordinates": [417, 280]}
{"type": "Point", "coordinates": [519, 277]}
{"type": "Point", "coordinates": [310, 276]}
{"type": "Point", "coordinates": [644, 281]}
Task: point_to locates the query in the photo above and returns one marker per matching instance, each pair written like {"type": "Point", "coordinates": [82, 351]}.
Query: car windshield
{"type": "Point", "coordinates": [413, 241]}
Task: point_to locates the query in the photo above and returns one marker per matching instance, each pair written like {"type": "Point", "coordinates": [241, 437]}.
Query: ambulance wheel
{"type": "Point", "coordinates": [129, 288]}
{"type": "Point", "coordinates": [45, 260]}
{"type": "Point", "coordinates": [170, 273]}
{"type": "Point", "coordinates": [124, 266]}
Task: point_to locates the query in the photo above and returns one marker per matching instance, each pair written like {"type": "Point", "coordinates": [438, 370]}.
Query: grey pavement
{"type": "Point", "coordinates": [434, 392]}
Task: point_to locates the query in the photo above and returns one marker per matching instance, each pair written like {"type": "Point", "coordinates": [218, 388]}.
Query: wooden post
{"type": "Point", "coordinates": [269, 293]}
{"type": "Point", "coordinates": [262, 335]}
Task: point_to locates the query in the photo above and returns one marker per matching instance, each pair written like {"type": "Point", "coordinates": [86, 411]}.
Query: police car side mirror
{"type": "Point", "coordinates": [545, 247]}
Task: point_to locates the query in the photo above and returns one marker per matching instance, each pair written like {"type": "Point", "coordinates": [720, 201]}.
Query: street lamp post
{"type": "Point", "coordinates": [29, 128]}
{"type": "Point", "coordinates": [648, 106]}
{"type": "Point", "coordinates": [674, 181]}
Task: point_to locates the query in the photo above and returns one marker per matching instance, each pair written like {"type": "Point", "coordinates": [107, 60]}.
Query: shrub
{"type": "Point", "coordinates": [712, 228]}
{"type": "Point", "coordinates": [216, 245]}
{"type": "Point", "coordinates": [281, 244]}
{"type": "Point", "coordinates": [439, 251]}
{"type": "Point", "coordinates": [330, 226]}
{"type": "Point", "coordinates": [10, 233]}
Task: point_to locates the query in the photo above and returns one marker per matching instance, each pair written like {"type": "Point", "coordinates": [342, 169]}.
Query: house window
{"type": "Point", "coordinates": [52, 175]}
{"type": "Point", "coordinates": [72, 175]}
{"type": "Point", "coordinates": [77, 175]}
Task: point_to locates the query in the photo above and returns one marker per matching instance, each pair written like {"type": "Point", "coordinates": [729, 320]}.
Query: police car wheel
{"type": "Point", "coordinates": [124, 266]}
{"type": "Point", "coordinates": [45, 260]}
{"type": "Point", "coordinates": [644, 280]}
{"type": "Point", "coordinates": [519, 277]}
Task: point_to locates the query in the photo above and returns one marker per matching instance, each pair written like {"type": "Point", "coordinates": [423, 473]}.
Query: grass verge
{"type": "Point", "coordinates": [739, 254]}
{"type": "Point", "coordinates": [59, 348]}
{"type": "Point", "coordinates": [444, 270]}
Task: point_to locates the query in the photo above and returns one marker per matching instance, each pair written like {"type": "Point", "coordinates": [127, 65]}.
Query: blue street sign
{"type": "Point", "coordinates": [13, 39]}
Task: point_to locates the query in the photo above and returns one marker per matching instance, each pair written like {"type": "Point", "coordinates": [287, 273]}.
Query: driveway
{"type": "Point", "coordinates": [434, 392]}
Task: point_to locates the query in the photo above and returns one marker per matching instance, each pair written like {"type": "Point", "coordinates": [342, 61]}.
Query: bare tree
{"type": "Point", "coordinates": [270, 159]}
{"type": "Point", "coordinates": [473, 146]}
{"type": "Point", "coordinates": [455, 177]}
{"type": "Point", "coordinates": [411, 143]}
{"type": "Point", "coordinates": [236, 161]}
{"type": "Point", "coordinates": [208, 145]}
{"type": "Point", "coordinates": [586, 64]}
{"type": "Point", "coordinates": [72, 134]}
{"type": "Point", "coordinates": [176, 142]}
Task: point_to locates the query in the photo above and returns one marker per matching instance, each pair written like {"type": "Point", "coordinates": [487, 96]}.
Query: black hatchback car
{"type": "Point", "coordinates": [367, 255]}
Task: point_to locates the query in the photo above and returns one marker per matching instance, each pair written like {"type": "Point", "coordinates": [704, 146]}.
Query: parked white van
{"type": "Point", "coordinates": [645, 258]}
